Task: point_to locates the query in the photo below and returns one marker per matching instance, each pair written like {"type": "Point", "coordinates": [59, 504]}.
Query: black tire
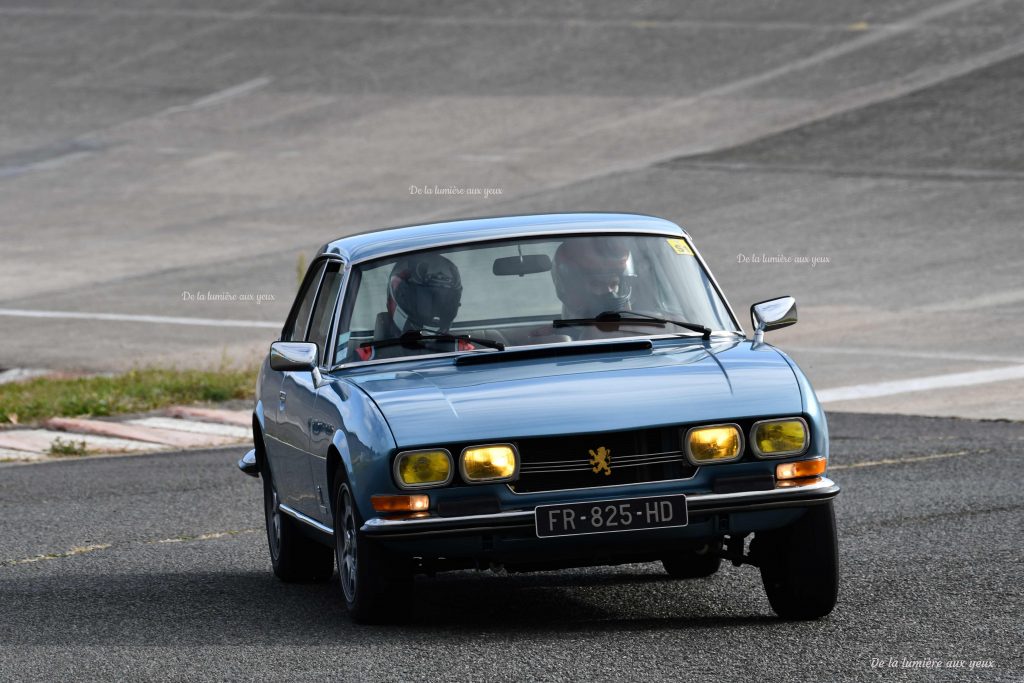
{"type": "Point", "coordinates": [800, 565]}
{"type": "Point", "coordinates": [694, 562]}
{"type": "Point", "coordinates": [376, 585]}
{"type": "Point", "coordinates": [295, 557]}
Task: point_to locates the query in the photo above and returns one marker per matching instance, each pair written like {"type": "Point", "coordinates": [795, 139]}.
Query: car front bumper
{"type": "Point", "coordinates": [723, 508]}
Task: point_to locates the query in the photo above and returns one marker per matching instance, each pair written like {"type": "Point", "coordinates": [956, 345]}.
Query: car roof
{"type": "Point", "coordinates": [379, 243]}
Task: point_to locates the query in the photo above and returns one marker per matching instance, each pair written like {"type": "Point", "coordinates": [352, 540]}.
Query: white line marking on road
{"type": "Point", "coordinates": [883, 172]}
{"type": "Point", "coordinates": [902, 353]}
{"type": "Point", "coordinates": [44, 165]}
{"type": "Point", "coordinates": [222, 95]}
{"type": "Point", "coordinates": [903, 461]}
{"type": "Point", "coordinates": [844, 48]}
{"type": "Point", "coordinates": [985, 301]}
{"type": "Point", "coordinates": [906, 386]}
{"type": "Point", "coordinates": [459, 19]}
{"type": "Point", "coordinates": [125, 317]}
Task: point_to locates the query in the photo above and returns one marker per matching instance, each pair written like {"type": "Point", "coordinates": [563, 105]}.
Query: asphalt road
{"type": "Point", "coordinates": [171, 579]}
{"type": "Point", "coordinates": [149, 149]}
{"type": "Point", "coordinates": [152, 149]}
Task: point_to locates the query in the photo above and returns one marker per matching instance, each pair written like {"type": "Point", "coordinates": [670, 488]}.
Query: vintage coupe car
{"type": "Point", "coordinates": [532, 393]}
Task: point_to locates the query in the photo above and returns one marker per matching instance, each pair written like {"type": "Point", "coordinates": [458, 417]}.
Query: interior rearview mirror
{"type": "Point", "coordinates": [524, 264]}
{"type": "Point", "coordinates": [772, 315]}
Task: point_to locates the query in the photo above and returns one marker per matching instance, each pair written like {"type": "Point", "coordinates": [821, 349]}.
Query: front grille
{"type": "Point", "coordinates": [565, 462]}
{"type": "Point", "coordinates": [552, 463]}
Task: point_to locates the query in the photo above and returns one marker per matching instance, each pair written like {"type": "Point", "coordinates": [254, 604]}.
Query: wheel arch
{"type": "Point", "coordinates": [259, 444]}
{"type": "Point", "coordinates": [339, 464]}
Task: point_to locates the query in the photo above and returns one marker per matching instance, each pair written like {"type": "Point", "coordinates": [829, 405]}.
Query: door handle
{"type": "Point", "coordinates": [282, 395]}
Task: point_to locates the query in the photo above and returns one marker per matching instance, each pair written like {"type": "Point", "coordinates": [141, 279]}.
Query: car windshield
{"type": "Point", "coordinates": [525, 292]}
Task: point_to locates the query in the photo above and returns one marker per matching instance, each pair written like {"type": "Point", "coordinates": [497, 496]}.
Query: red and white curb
{"type": "Point", "coordinates": [179, 428]}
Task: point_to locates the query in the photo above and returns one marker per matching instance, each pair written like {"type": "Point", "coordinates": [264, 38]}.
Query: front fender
{"type": "Point", "coordinates": [258, 417]}
{"type": "Point", "coordinates": [361, 445]}
{"type": "Point", "coordinates": [812, 408]}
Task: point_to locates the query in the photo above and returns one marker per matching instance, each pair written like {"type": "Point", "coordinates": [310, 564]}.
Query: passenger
{"type": "Point", "coordinates": [593, 275]}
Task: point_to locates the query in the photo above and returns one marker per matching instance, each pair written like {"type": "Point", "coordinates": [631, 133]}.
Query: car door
{"type": "Point", "coordinates": [320, 428]}
{"type": "Point", "coordinates": [286, 436]}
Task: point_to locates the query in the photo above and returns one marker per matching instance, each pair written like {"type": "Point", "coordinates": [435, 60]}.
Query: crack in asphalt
{"type": "Point", "coordinates": [213, 535]}
{"type": "Point", "coordinates": [77, 550]}
{"type": "Point", "coordinates": [85, 549]}
{"type": "Point", "coordinates": [903, 461]}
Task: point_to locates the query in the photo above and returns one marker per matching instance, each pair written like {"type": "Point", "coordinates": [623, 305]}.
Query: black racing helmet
{"type": "Point", "coordinates": [593, 275]}
{"type": "Point", "coordinates": [424, 293]}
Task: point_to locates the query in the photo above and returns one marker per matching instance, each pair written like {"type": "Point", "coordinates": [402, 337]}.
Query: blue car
{"type": "Point", "coordinates": [532, 393]}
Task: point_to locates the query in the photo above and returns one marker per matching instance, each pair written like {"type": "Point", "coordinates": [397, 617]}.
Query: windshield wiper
{"type": "Point", "coordinates": [415, 338]}
{"type": "Point", "coordinates": [634, 318]}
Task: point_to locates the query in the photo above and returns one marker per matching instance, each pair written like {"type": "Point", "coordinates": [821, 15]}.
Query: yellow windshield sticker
{"type": "Point", "coordinates": [680, 247]}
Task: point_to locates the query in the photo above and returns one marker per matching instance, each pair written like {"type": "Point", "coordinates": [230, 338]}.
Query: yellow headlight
{"type": "Point", "coordinates": [419, 469]}
{"type": "Point", "coordinates": [497, 462]}
{"type": "Point", "coordinates": [718, 443]}
{"type": "Point", "coordinates": [779, 437]}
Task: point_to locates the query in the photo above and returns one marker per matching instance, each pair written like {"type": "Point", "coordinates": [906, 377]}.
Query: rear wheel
{"type": "Point", "coordinates": [690, 562]}
{"type": "Point", "coordinates": [800, 565]}
{"type": "Point", "coordinates": [293, 556]}
{"type": "Point", "coordinates": [377, 585]}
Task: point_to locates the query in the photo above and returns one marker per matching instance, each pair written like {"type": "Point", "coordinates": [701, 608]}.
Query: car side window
{"type": "Point", "coordinates": [323, 313]}
{"type": "Point", "coordinates": [295, 328]}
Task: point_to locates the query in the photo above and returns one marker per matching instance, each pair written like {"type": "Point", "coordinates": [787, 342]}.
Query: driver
{"type": "Point", "coordinates": [593, 275]}
{"type": "Point", "coordinates": [424, 293]}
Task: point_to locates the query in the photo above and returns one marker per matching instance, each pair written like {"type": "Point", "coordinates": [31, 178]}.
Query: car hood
{"type": "Point", "coordinates": [607, 390]}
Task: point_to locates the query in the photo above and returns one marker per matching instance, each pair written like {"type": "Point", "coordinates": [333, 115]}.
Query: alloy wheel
{"type": "Point", "coordinates": [346, 541]}
{"type": "Point", "coordinates": [274, 521]}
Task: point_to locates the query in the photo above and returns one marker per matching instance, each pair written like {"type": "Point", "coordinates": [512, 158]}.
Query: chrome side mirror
{"type": "Point", "coordinates": [293, 356]}
{"type": "Point", "coordinates": [772, 315]}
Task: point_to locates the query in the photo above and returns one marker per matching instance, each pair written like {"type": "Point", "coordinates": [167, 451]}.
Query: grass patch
{"type": "Point", "coordinates": [68, 448]}
{"type": "Point", "coordinates": [134, 391]}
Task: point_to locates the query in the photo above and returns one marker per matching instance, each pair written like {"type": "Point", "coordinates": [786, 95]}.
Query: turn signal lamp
{"type": "Point", "coordinates": [714, 444]}
{"type": "Point", "coordinates": [776, 438]}
{"type": "Point", "coordinates": [485, 464]}
{"type": "Point", "coordinates": [400, 503]}
{"type": "Point", "coordinates": [800, 473]}
{"type": "Point", "coordinates": [423, 469]}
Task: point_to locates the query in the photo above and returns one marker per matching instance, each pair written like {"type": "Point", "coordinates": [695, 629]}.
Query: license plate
{"type": "Point", "coordinates": [609, 516]}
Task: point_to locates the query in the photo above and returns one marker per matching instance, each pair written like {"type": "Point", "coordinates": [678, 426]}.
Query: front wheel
{"type": "Point", "coordinates": [800, 565]}
{"type": "Point", "coordinates": [376, 584]}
